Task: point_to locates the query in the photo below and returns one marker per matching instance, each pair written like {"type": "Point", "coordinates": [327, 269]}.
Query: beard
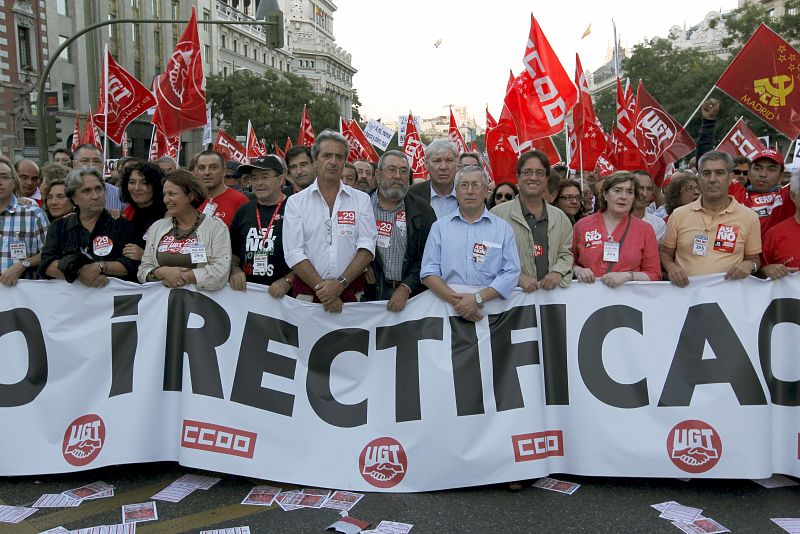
{"type": "Point", "coordinates": [392, 192]}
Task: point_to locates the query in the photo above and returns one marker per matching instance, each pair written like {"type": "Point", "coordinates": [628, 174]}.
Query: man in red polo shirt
{"type": "Point", "coordinates": [222, 201]}
{"type": "Point", "coordinates": [781, 248]}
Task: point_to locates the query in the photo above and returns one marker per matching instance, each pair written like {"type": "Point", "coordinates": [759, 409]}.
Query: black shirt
{"type": "Point", "coordinates": [246, 240]}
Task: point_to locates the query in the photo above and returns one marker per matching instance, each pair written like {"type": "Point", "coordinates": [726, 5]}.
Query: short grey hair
{"type": "Point", "coordinates": [75, 179]}
{"type": "Point", "coordinates": [329, 135]}
{"type": "Point", "coordinates": [394, 153]}
{"type": "Point", "coordinates": [471, 169]}
{"type": "Point", "coordinates": [716, 155]}
{"type": "Point", "coordinates": [440, 146]}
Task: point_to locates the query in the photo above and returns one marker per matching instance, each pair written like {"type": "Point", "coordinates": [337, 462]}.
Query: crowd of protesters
{"type": "Point", "coordinates": [318, 228]}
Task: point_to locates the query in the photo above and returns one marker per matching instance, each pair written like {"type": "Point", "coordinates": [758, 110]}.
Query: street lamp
{"type": "Point", "coordinates": [268, 14]}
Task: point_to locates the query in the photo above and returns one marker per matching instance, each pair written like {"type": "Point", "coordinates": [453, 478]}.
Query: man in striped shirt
{"type": "Point", "coordinates": [22, 230]}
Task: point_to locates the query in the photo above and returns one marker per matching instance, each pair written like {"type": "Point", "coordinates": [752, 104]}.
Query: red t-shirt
{"type": "Point", "coordinates": [782, 244]}
{"type": "Point", "coordinates": [638, 253]}
{"type": "Point", "coordinates": [227, 204]}
{"type": "Point", "coordinates": [771, 207]}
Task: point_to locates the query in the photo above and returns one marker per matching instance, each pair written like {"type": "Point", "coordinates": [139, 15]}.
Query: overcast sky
{"type": "Point", "coordinates": [392, 44]}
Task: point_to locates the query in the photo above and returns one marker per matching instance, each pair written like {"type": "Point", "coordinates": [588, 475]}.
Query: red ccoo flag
{"type": "Point", "coordinates": [587, 140]}
{"type": "Point", "coordinates": [91, 136]}
{"type": "Point", "coordinates": [741, 141]}
{"type": "Point", "coordinates": [412, 147]}
{"type": "Point", "coordinates": [549, 148]}
{"type": "Point", "coordinates": [454, 135]}
{"type": "Point", "coordinates": [230, 148]}
{"type": "Point", "coordinates": [306, 135]}
{"type": "Point", "coordinates": [360, 147]}
{"type": "Point", "coordinates": [76, 134]}
{"type": "Point", "coordinates": [502, 155]}
{"type": "Point", "coordinates": [253, 148]}
{"type": "Point", "coordinates": [764, 77]}
{"type": "Point", "coordinates": [543, 94]}
{"type": "Point", "coordinates": [662, 140]}
{"type": "Point", "coordinates": [181, 100]}
{"type": "Point", "coordinates": [128, 99]}
{"type": "Point", "coordinates": [490, 122]}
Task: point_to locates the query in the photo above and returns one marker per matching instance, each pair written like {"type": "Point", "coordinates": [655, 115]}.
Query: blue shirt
{"type": "Point", "coordinates": [480, 254]}
{"type": "Point", "coordinates": [443, 204]}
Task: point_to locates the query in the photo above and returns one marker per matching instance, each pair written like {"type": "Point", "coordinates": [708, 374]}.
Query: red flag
{"type": "Point", "coordinates": [76, 134]}
{"type": "Point", "coordinates": [229, 147]}
{"type": "Point", "coordinates": [91, 136]}
{"type": "Point", "coordinates": [412, 147]}
{"type": "Point", "coordinates": [288, 145]}
{"type": "Point", "coordinates": [124, 144]}
{"type": "Point", "coordinates": [543, 94]}
{"type": "Point", "coordinates": [474, 147]}
{"type": "Point", "coordinates": [549, 148]}
{"type": "Point", "coordinates": [253, 148]}
{"type": "Point", "coordinates": [764, 77]}
{"type": "Point", "coordinates": [128, 99]}
{"type": "Point", "coordinates": [604, 167]}
{"type": "Point", "coordinates": [662, 140]}
{"type": "Point", "coordinates": [280, 152]}
{"type": "Point", "coordinates": [306, 135]}
{"type": "Point", "coordinates": [510, 81]}
{"type": "Point", "coordinates": [490, 122]}
{"type": "Point", "coordinates": [162, 145]}
{"type": "Point", "coordinates": [454, 135]}
{"type": "Point", "coordinates": [587, 140]}
{"type": "Point", "coordinates": [741, 141]}
{"type": "Point", "coordinates": [626, 148]}
{"type": "Point", "coordinates": [360, 147]}
{"type": "Point", "coordinates": [502, 156]}
{"type": "Point", "coordinates": [181, 101]}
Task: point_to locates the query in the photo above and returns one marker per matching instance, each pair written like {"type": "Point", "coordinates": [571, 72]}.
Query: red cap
{"type": "Point", "coordinates": [770, 154]}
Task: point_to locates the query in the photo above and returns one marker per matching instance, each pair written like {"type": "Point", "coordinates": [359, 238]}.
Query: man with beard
{"type": "Point", "coordinates": [441, 163]}
{"type": "Point", "coordinates": [403, 222]}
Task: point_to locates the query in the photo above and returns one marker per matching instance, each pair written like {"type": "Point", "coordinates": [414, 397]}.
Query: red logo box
{"type": "Point", "coordinates": [538, 445]}
{"type": "Point", "coordinates": [217, 438]}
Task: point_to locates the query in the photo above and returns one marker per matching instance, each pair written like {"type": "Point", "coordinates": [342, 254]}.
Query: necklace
{"type": "Point", "coordinates": [180, 235]}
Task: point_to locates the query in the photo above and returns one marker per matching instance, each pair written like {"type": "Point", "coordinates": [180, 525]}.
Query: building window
{"type": "Point", "coordinates": [235, 46]}
{"type": "Point", "coordinates": [771, 13]}
{"type": "Point", "coordinates": [29, 137]}
{"type": "Point", "coordinates": [174, 12]}
{"type": "Point", "coordinates": [67, 96]}
{"type": "Point", "coordinates": [65, 54]}
{"type": "Point", "coordinates": [223, 41]}
{"type": "Point", "coordinates": [62, 7]}
{"type": "Point", "coordinates": [245, 50]}
{"type": "Point", "coordinates": [156, 6]}
{"type": "Point", "coordinates": [157, 50]}
{"type": "Point", "coordinates": [113, 34]}
{"type": "Point", "coordinates": [207, 53]}
{"type": "Point", "coordinates": [273, 62]}
{"type": "Point", "coordinates": [791, 11]}
{"type": "Point", "coordinates": [25, 57]}
{"type": "Point", "coordinates": [206, 14]}
{"type": "Point", "coordinates": [224, 72]}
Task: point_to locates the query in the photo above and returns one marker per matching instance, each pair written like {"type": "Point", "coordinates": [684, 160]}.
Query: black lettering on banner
{"type": "Point", "coordinates": [781, 392]}
{"type": "Point", "coordinates": [707, 322]}
{"type": "Point", "coordinates": [198, 343]}
{"type": "Point", "coordinates": [124, 341]}
{"type": "Point", "coordinates": [318, 380]}
{"type": "Point", "coordinates": [508, 356]}
{"type": "Point", "coordinates": [466, 367]}
{"type": "Point", "coordinates": [590, 357]}
{"type": "Point", "coordinates": [406, 337]}
{"type": "Point", "coordinates": [25, 391]}
{"type": "Point", "coordinates": [554, 354]}
{"type": "Point", "coordinates": [255, 360]}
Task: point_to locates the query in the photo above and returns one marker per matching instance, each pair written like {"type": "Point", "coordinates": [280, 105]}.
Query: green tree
{"type": "Point", "coordinates": [356, 110]}
{"type": "Point", "coordinates": [272, 101]}
{"type": "Point", "coordinates": [743, 21]}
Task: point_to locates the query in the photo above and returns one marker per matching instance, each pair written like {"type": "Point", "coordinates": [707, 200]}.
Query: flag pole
{"type": "Point", "coordinates": [699, 106]}
{"type": "Point", "coordinates": [566, 147]}
{"type": "Point", "coordinates": [152, 140]}
{"type": "Point", "coordinates": [105, 103]}
{"type": "Point", "coordinates": [729, 132]}
{"type": "Point", "coordinates": [616, 48]}
{"type": "Point", "coordinates": [247, 143]}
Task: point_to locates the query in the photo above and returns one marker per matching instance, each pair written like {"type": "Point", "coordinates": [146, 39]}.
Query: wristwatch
{"type": "Point", "coordinates": [25, 262]}
{"type": "Point", "coordinates": [478, 299]}
{"type": "Point", "coordinates": [342, 280]}
{"type": "Point", "coordinates": [102, 265]}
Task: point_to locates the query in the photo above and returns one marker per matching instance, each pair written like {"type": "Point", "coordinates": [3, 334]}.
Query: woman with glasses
{"type": "Point", "coordinates": [503, 193]}
{"type": "Point", "coordinates": [569, 199]}
{"type": "Point", "coordinates": [612, 245]}
{"type": "Point", "coordinates": [683, 188]}
{"type": "Point", "coordinates": [186, 246]}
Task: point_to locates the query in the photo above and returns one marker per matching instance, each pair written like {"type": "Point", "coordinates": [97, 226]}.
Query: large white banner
{"type": "Point", "coordinates": [643, 380]}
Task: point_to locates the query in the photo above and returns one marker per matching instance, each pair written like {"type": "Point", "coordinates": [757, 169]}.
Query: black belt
{"type": "Point", "coordinates": [392, 283]}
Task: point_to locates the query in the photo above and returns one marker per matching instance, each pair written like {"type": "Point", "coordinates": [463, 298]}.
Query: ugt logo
{"type": "Point", "coordinates": [774, 91]}
{"type": "Point", "coordinates": [83, 440]}
{"type": "Point", "coordinates": [383, 462]}
{"type": "Point", "coordinates": [694, 446]}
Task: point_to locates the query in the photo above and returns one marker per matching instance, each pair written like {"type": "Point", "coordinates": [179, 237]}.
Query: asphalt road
{"type": "Point", "coordinates": [600, 505]}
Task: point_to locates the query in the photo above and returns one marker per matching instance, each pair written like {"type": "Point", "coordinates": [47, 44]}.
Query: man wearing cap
{"type": "Point", "coordinates": [233, 176]}
{"type": "Point", "coordinates": [222, 201]}
{"type": "Point", "coordinates": [257, 230]}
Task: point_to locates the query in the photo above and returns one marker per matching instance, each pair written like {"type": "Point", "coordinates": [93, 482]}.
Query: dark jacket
{"type": "Point", "coordinates": [419, 219]}
{"type": "Point", "coordinates": [422, 190]}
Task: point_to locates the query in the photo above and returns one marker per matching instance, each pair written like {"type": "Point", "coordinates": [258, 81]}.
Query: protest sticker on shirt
{"type": "Point", "coordinates": [210, 209]}
{"type": "Point", "coordinates": [102, 245]}
{"type": "Point", "coordinates": [725, 240]}
{"type": "Point", "coordinates": [592, 237]}
{"type": "Point", "coordinates": [346, 222]}
{"type": "Point", "coordinates": [479, 252]}
{"type": "Point", "coordinates": [384, 233]}
{"type": "Point", "coordinates": [538, 250]}
{"type": "Point", "coordinates": [19, 251]}
{"type": "Point", "coordinates": [400, 220]}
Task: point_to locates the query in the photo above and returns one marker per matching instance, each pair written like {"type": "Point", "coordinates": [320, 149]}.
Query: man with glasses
{"type": "Point", "coordinates": [89, 156]}
{"type": "Point", "coordinates": [330, 231]}
{"type": "Point", "coordinates": [257, 230]}
{"type": "Point", "coordinates": [438, 191]}
{"type": "Point", "coordinates": [404, 222]}
{"type": "Point", "coordinates": [366, 175]}
{"type": "Point", "coordinates": [542, 232]}
{"type": "Point", "coordinates": [471, 247]}
{"type": "Point", "coordinates": [741, 169]}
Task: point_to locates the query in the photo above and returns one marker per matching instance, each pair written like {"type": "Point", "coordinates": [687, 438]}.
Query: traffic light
{"type": "Point", "coordinates": [59, 129]}
{"type": "Point", "coordinates": [52, 134]}
{"type": "Point", "coordinates": [270, 11]}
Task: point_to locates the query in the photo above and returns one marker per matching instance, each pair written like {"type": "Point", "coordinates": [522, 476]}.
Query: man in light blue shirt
{"type": "Point", "coordinates": [441, 162]}
{"type": "Point", "coordinates": [471, 247]}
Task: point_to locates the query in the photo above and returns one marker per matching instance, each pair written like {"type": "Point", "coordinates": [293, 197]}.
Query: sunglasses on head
{"type": "Point", "coordinates": [740, 172]}
{"type": "Point", "coordinates": [506, 196]}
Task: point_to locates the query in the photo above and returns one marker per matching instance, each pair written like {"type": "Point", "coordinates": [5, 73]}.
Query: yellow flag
{"type": "Point", "coordinates": [588, 31]}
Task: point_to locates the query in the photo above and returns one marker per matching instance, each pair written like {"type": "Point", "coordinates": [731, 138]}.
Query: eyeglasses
{"type": "Point", "coordinates": [570, 198]}
{"type": "Point", "coordinates": [741, 172]}
{"type": "Point", "coordinates": [539, 173]}
{"type": "Point", "coordinates": [504, 196]}
{"type": "Point", "coordinates": [470, 185]}
{"type": "Point", "coordinates": [394, 171]}
{"type": "Point", "coordinates": [329, 230]}
{"type": "Point", "coordinates": [690, 189]}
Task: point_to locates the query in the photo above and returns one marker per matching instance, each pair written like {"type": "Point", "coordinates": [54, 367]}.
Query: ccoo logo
{"type": "Point", "coordinates": [83, 440]}
{"type": "Point", "coordinates": [383, 462]}
{"type": "Point", "coordinates": [694, 446]}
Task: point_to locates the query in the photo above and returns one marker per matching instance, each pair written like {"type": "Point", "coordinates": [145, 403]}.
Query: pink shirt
{"type": "Point", "coordinates": [638, 253]}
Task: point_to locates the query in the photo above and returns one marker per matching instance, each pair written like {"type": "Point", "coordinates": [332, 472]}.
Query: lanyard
{"type": "Point", "coordinates": [271, 221]}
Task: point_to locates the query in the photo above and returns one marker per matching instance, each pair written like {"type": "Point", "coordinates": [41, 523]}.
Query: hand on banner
{"type": "Point", "coordinates": [527, 283]}
{"type": "Point", "coordinates": [397, 302]}
{"type": "Point", "coordinates": [616, 279]}
{"type": "Point", "coordinates": [710, 109]}
{"type": "Point", "coordinates": [741, 270]}
{"type": "Point", "coordinates": [584, 275]}
{"type": "Point", "coordinates": [11, 275]}
{"type": "Point", "coordinates": [133, 252]}
{"type": "Point", "coordinates": [279, 288]}
{"type": "Point", "coordinates": [237, 279]}
{"type": "Point", "coordinates": [172, 276]}
{"type": "Point", "coordinates": [776, 271]}
{"type": "Point", "coordinates": [551, 281]}
{"type": "Point", "coordinates": [335, 306]}
{"type": "Point", "coordinates": [328, 291]}
{"type": "Point", "coordinates": [676, 275]}
{"type": "Point", "coordinates": [467, 308]}
{"type": "Point", "coordinates": [91, 275]}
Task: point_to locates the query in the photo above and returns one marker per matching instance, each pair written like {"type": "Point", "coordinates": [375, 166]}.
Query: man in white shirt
{"type": "Point", "coordinates": [441, 162]}
{"type": "Point", "coordinates": [330, 231]}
